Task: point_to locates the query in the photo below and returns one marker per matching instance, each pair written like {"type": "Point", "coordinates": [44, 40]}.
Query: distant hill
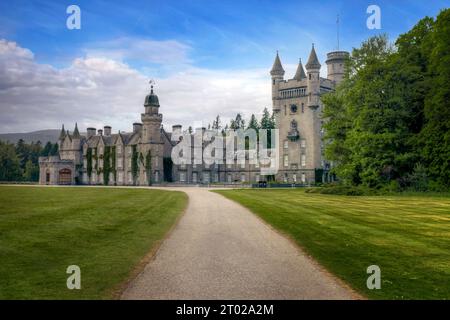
{"type": "Point", "coordinates": [43, 136]}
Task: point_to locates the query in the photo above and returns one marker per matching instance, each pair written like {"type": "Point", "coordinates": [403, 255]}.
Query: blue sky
{"type": "Point", "coordinates": [158, 39]}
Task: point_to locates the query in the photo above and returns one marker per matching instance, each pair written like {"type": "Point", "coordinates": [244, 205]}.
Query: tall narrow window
{"type": "Point", "coordinates": [286, 160]}
{"type": "Point", "coordinates": [303, 160]}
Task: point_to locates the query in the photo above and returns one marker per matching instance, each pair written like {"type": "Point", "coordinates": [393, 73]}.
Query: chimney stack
{"type": "Point", "coordinates": [107, 130]}
{"type": "Point", "coordinates": [90, 132]}
{"type": "Point", "coordinates": [137, 127]}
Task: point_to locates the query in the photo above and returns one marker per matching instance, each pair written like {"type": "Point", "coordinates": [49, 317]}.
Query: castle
{"type": "Point", "coordinates": [143, 156]}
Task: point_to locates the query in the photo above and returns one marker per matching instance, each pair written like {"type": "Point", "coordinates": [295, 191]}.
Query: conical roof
{"type": "Point", "coordinates": [62, 135]}
{"type": "Point", "coordinates": [313, 61]}
{"type": "Point", "coordinates": [277, 68]}
{"type": "Point", "coordinates": [76, 133]}
{"type": "Point", "coordinates": [300, 73]}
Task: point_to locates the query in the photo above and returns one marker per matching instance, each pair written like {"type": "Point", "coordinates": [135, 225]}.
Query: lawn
{"type": "Point", "coordinates": [105, 231]}
{"type": "Point", "coordinates": [408, 237]}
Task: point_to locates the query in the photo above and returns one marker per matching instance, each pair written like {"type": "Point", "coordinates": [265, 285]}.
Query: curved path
{"type": "Point", "coordinates": [220, 250]}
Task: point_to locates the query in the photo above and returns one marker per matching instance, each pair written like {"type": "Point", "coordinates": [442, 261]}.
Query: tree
{"type": "Point", "coordinates": [217, 124]}
{"type": "Point", "coordinates": [268, 123]}
{"type": "Point", "coordinates": [390, 116]}
{"type": "Point", "coordinates": [54, 150]}
{"type": "Point", "coordinates": [47, 148]}
{"type": "Point", "coordinates": [435, 136]}
{"type": "Point", "coordinates": [9, 163]}
{"type": "Point", "coordinates": [253, 123]}
{"type": "Point", "coordinates": [31, 172]}
{"type": "Point", "coordinates": [237, 123]}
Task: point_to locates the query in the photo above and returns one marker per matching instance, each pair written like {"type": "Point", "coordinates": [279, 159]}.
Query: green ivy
{"type": "Point", "coordinates": [148, 167]}
{"type": "Point", "coordinates": [113, 163]}
{"type": "Point", "coordinates": [89, 162]}
{"type": "Point", "coordinates": [106, 165]}
{"type": "Point", "coordinates": [134, 163]}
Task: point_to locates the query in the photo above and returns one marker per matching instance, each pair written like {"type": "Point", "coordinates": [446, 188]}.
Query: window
{"type": "Point", "coordinates": [294, 125]}
{"type": "Point", "coordinates": [303, 178]}
{"type": "Point", "coordinates": [286, 144]}
{"type": "Point", "coordinates": [119, 163]}
{"type": "Point", "coordinates": [257, 178]}
{"type": "Point", "coordinates": [156, 162]}
{"type": "Point", "coordinates": [242, 177]}
{"type": "Point", "coordinates": [194, 177]}
{"type": "Point", "coordinates": [129, 150]}
{"type": "Point", "coordinates": [156, 176]}
{"type": "Point", "coordinates": [285, 178]}
{"type": "Point", "coordinates": [303, 107]}
{"type": "Point", "coordinates": [182, 177]}
{"type": "Point", "coordinates": [216, 177]}
{"type": "Point", "coordinates": [229, 178]}
{"type": "Point", "coordinates": [119, 149]}
{"type": "Point", "coordinates": [303, 143]}
{"type": "Point", "coordinates": [286, 160]}
{"type": "Point", "coordinates": [294, 178]}
{"type": "Point", "coordinates": [293, 108]}
{"type": "Point", "coordinates": [206, 177]}
{"type": "Point", "coordinates": [303, 160]}
{"type": "Point", "coordinates": [120, 177]}
{"type": "Point", "coordinates": [130, 177]}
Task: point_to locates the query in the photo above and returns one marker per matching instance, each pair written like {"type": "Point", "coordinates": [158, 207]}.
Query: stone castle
{"type": "Point", "coordinates": [143, 156]}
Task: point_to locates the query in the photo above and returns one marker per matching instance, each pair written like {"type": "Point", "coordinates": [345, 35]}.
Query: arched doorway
{"type": "Point", "coordinates": [47, 176]}
{"type": "Point", "coordinates": [65, 176]}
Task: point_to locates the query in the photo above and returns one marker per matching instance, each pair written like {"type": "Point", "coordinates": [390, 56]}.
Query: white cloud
{"type": "Point", "coordinates": [95, 91]}
{"type": "Point", "coordinates": [145, 50]}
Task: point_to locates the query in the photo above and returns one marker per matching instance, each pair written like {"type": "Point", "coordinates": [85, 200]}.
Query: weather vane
{"type": "Point", "coordinates": [151, 82]}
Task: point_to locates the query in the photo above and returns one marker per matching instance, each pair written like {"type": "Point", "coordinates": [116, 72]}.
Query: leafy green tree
{"type": "Point", "coordinates": [435, 136]}
{"type": "Point", "coordinates": [9, 163]}
{"type": "Point", "coordinates": [47, 148]}
{"type": "Point", "coordinates": [54, 151]}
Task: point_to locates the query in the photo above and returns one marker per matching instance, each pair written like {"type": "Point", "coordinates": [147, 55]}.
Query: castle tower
{"type": "Point", "coordinates": [76, 145]}
{"type": "Point", "coordinates": [336, 65]}
{"type": "Point", "coordinates": [313, 79]}
{"type": "Point", "coordinates": [62, 136]}
{"type": "Point", "coordinates": [151, 119]}
{"type": "Point", "coordinates": [277, 74]}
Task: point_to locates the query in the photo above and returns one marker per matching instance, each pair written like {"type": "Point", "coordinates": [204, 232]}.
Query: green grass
{"type": "Point", "coordinates": [105, 231]}
{"type": "Point", "coordinates": [408, 237]}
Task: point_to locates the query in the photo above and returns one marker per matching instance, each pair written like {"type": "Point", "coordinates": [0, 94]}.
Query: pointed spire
{"type": "Point", "coordinates": [313, 61]}
{"type": "Point", "coordinates": [62, 135]}
{"type": "Point", "coordinates": [300, 74]}
{"type": "Point", "coordinates": [76, 133]}
{"type": "Point", "coordinates": [277, 68]}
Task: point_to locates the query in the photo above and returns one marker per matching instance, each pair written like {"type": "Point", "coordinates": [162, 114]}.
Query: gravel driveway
{"type": "Point", "coordinates": [220, 250]}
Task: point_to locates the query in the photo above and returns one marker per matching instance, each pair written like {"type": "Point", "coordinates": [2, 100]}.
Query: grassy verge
{"type": "Point", "coordinates": [408, 237]}
{"type": "Point", "coordinates": [105, 231]}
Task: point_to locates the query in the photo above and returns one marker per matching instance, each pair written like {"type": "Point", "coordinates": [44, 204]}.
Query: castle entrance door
{"type": "Point", "coordinates": [65, 176]}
